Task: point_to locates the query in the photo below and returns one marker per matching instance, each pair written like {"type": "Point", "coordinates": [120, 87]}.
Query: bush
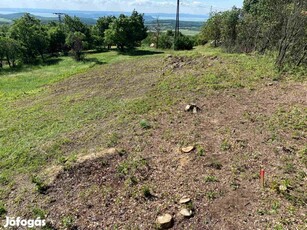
{"type": "Point", "coordinates": [183, 43]}
{"type": "Point", "coordinates": [165, 41]}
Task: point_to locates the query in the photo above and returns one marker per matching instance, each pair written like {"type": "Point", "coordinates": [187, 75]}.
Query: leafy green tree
{"type": "Point", "coordinates": [75, 40]}
{"type": "Point", "coordinates": [99, 29]}
{"type": "Point", "coordinates": [292, 47]}
{"type": "Point", "coordinates": [126, 31]}
{"type": "Point", "coordinates": [73, 25]}
{"type": "Point", "coordinates": [138, 29]}
{"type": "Point", "coordinates": [229, 31]}
{"type": "Point", "coordinates": [4, 29]}
{"type": "Point", "coordinates": [247, 30]}
{"type": "Point", "coordinates": [32, 36]}
{"type": "Point", "coordinates": [10, 50]}
{"type": "Point", "coordinates": [13, 51]}
{"type": "Point", "coordinates": [212, 29]}
{"type": "Point", "coordinates": [251, 6]}
{"type": "Point", "coordinates": [2, 51]}
{"type": "Point", "coordinates": [57, 39]}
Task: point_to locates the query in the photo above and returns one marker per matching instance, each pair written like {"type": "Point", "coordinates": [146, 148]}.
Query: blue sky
{"type": "Point", "coordinates": [144, 6]}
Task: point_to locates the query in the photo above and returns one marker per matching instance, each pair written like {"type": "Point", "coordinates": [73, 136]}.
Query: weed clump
{"type": "Point", "coordinates": [146, 191]}
{"type": "Point", "coordinates": [3, 210]}
{"type": "Point", "coordinates": [145, 124]}
{"type": "Point", "coordinates": [41, 187]}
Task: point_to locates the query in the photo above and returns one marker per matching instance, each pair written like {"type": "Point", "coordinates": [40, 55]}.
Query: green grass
{"type": "Point", "coordinates": [36, 126]}
{"type": "Point", "coordinates": [32, 135]}
{"type": "Point", "coordinates": [29, 80]}
{"type": "Point", "coordinates": [210, 178]}
{"type": "Point", "coordinates": [189, 32]}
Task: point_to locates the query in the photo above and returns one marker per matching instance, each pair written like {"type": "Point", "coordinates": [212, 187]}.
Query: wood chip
{"type": "Point", "coordinates": [186, 213]}
{"type": "Point", "coordinates": [165, 221]}
{"type": "Point", "coordinates": [187, 149]}
{"type": "Point", "coordinates": [184, 200]}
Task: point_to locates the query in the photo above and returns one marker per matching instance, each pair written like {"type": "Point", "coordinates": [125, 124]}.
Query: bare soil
{"type": "Point", "coordinates": [233, 138]}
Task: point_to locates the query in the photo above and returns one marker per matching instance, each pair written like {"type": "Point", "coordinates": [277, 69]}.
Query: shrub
{"type": "Point", "coordinates": [165, 41]}
{"type": "Point", "coordinates": [183, 43]}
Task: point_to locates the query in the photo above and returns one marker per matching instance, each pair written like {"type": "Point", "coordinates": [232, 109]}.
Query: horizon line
{"type": "Point", "coordinates": [96, 11]}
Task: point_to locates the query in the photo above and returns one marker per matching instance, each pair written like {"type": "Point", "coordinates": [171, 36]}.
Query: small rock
{"type": "Point", "coordinates": [195, 110]}
{"type": "Point", "coordinates": [184, 200]}
{"type": "Point", "coordinates": [166, 221]}
{"type": "Point", "coordinates": [187, 149]}
{"type": "Point", "coordinates": [270, 84]}
{"type": "Point", "coordinates": [186, 213]}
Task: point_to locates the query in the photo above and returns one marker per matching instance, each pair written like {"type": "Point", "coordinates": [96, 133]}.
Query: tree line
{"type": "Point", "coordinates": [27, 40]}
{"type": "Point", "coordinates": [262, 26]}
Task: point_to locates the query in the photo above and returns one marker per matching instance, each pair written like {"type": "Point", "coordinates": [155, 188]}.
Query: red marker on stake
{"type": "Point", "coordinates": [262, 178]}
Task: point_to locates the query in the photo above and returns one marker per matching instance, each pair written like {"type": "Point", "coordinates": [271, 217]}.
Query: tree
{"type": "Point", "coordinates": [101, 26]}
{"type": "Point", "coordinates": [247, 34]}
{"type": "Point", "coordinates": [13, 51]}
{"type": "Point", "coordinates": [75, 40]}
{"type": "Point", "coordinates": [73, 25]}
{"type": "Point", "coordinates": [32, 36]}
{"type": "Point", "coordinates": [275, 25]}
{"type": "Point", "coordinates": [57, 39]}
{"type": "Point", "coordinates": [293, 44]}
{"type": "Point", "coordinates": [229, 23]}
{"type": "Point", "coordinates": [212, 29]}
{"type": "Point", "coordinates": [4, 29]}
{"type": "Point", "coordinates": [10, 50]}
{"type": "Point", "coordinates": [126, 31]}
{"type": "Point", "coordinates": [157, 32]}
{"type": "Point", "coordinates": [2, 51]}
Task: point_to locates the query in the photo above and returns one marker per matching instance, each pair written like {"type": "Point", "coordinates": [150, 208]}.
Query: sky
{"type": "Point", "coordinates": [143, 6]}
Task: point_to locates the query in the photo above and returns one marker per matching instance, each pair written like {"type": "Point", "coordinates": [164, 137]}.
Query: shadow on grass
{"type": "Point", "coordinates": [52, 61]}
{"type": "Point", "coordinates": [16, 69]}
{"type": "Point", "coordinates": [139, 52]}
{"type": "Point", "coordinates": [96, 51]}
{"type": "Point", "coordinates": [30, 67]}
{"type": "Point", "coordinates": [95, 60]}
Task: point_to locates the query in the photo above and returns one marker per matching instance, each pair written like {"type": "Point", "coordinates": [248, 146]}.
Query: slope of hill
{"type": "Point", "coordinates": [98, 145]}
{"type": "Point", "coordinates": [10, 17]}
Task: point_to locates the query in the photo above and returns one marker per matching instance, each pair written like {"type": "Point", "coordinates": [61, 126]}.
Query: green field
{"type": "Point", "coordinates": [5, 21]}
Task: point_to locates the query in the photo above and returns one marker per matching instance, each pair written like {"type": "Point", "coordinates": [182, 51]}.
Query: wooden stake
{"type": "Point", "coordinates": [262, 178]}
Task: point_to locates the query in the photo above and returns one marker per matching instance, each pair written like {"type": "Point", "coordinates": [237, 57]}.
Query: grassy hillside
{"type": "Point", "coordinates": [251, 117]}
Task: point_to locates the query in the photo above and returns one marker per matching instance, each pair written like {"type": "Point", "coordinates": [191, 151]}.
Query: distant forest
{"type": "Point", "coordinates": [274, 27]}
{"type": "Point", "coordinates": [149, 21]}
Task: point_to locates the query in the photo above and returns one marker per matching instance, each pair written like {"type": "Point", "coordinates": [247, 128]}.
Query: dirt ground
{"type": "Point", "coordinates": [234, 135]}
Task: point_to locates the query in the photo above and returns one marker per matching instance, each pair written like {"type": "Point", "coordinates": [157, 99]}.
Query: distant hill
{"type": "Point", "coordinates": [97, 14]}
{"type": "Point", "coordinates": [167, 21]}
{"type": "Point", "coordinates": [8, 18]}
